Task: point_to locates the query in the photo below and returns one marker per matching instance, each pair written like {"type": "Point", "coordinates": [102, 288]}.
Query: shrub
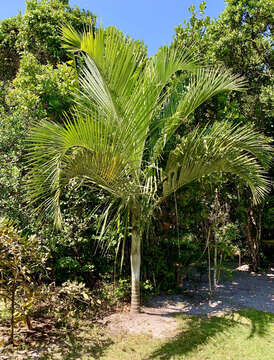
{"type": "Point", "coordinates": [21, 263]}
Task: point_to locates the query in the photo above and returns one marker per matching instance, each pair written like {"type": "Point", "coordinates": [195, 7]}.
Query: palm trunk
{"type": "Point", "coordinates": [135, 260]}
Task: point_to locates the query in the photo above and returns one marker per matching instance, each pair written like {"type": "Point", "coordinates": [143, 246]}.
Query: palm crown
{"type": "Point", "coordinates": [127, 110]}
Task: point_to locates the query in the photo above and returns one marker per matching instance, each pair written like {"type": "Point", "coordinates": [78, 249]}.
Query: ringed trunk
{"type": "Point", "coordinates": [135, 260]}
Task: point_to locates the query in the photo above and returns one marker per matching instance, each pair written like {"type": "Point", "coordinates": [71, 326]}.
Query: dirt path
{"type": "Point", "coordinates": [245, 289]}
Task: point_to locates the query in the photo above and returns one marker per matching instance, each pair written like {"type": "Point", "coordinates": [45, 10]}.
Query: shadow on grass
{"type": "Point", "coordinates": [199, 330]}
{"type": "Point", "coordinates": [260, 321]}
{"type": "Point", "coordinates": [75, 347]}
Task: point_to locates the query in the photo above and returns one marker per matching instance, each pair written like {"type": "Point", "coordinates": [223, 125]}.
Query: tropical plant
{"type": "Point", "coordinates": [128, 109]}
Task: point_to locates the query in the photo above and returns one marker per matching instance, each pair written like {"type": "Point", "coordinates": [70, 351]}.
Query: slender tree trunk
{"type": "Point", "coordinates": [215, 265]}
{"type": "Point", "coordinates": [135, 260]}
{"type": "Point", "coordinates": [220, 264]}
{"type": "Point", "coordinates": [209, 270]}
{"type": "Point", "coordinates": [209, 260]}
{"type": "Point", "coordinates": [253, 232]}
{"type": "Point", "coordinates": [12, 312]}
{"type": "Point", "coordinates": [28, 321]}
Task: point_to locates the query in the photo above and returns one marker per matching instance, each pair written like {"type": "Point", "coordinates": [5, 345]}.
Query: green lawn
{"type": "Point", "coordinates": [244, 335]}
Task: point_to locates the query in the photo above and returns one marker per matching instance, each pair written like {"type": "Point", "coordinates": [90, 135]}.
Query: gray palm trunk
{"type": "Point", "coordinates": [135, 260]}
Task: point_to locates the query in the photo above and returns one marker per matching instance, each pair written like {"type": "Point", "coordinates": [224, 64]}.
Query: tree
{"type": "Point", "coordinates": [241, 40]}
{"type": "Point", "coordinates": [37, 32]}
{"type": "Point", "coordinates": [128, 109]}
{"type": "Point", "coordinates": [246, 46]}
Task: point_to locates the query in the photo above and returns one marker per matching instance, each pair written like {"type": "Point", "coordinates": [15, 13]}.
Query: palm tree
{"type": "Point", "coordinates": [128, 109]}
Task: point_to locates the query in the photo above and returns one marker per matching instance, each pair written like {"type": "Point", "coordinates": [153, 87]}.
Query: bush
{"type": "Point", "coordinates": [21, 263]}
{"type": "Point", "coordinates": [40, 91]}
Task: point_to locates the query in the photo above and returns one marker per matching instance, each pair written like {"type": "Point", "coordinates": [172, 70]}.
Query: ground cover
{"type": "Point", "coordinates": [244, 334]}
{"type": "Point", "coordinates": [185, 326]}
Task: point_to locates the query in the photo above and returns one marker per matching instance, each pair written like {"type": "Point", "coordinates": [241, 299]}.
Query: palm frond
{"type": "Point", "coordinates": [221, 148]}
{"type": "Point", "coordinates": [203, 84]}
{"type": "Point", "coordinates": [94, 94]}
{"type": "Point", "coordinates": [83, 148]}
{"type": "Point", "coordinates": [71, 39]}
{"type": "Point", "coordinates": [169, 60]}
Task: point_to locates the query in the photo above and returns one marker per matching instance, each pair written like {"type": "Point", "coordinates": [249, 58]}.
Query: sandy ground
{"type": "Point", "coordinates": [243, 290]}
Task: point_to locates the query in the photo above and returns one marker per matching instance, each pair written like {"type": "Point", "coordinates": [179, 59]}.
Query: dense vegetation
{"type": "Point", "coordinates": [212, 218]}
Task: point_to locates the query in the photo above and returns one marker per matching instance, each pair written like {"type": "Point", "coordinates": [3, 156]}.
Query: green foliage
{"type": "Point", "coordinates": [40, 91]}
{"type": "Point", "coordinates": [107, 160]}
{"type": "Point", "coordinates": [174, 256]}
{"type": "Point", "coordinates": [241, 39]}
{"type": "Point", "coordinates": [37, 92]}
{"type": "Point", "coordinates": [76, 299]}
{"type": "Point", "coordinates": [21, 263]}
{"type": "Point", "coordinates": [106, 144]}
{"type": "Point", "coordinates": [9, 54]}
{"type": "Point", "coordinates": [70, 299]}
{"type": "Point", "coordinates": [37, 32]}
{"type": "Point", "coordinates": [36, 85]}
{"type": "Point", "coordinates": [121, 290]}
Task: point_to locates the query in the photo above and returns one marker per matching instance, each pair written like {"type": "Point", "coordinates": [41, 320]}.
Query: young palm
{"type": "Point", "coordinates": [127, 110]}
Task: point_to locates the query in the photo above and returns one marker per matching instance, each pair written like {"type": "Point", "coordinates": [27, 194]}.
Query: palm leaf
{"type": "Point", "coordinates": [83, 148]}
{"type": "Point", "coordinates": [221, 148]}
{"type": "Point", "coordinates": [203, 84]}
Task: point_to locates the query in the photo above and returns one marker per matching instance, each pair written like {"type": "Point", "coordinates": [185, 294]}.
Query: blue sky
{"type": "Point", "coordinates": [150, 20]}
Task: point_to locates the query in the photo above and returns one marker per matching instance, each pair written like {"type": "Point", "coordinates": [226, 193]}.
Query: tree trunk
{"type": "Point", "coordinates": [135, 260]}
{"type": "Point", "coordinates": [12, 312]}
{"type": "Point", "coordinates": [209, 270]}
{"type": "Point", "coordinates": [220, 264]}
{"type": "Point", "coordinates": [28, 321]}
{"type": "Point", "coordinates": [253, 232]}
{"type": "Point", "coordinates": [215, 265]}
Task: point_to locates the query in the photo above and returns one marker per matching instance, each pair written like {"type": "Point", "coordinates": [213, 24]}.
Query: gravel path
{"type": "Point", "coordinates": [245, 289]}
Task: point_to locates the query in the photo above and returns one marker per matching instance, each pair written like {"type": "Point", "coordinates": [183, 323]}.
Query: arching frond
{"type": "Point", "coordinates": [241, 151]}
{"type": "Point", "coordinates": [118, 58]}
{"type": "Point", "coordinates": [203, 85]}
{"type": "Point", "coordinates": [169, 60]}
{"type": "Point", "coordinates": [83, 148]}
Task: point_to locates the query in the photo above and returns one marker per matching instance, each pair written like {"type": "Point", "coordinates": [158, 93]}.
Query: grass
{"type": "Point", "coordinates": [243, 335]}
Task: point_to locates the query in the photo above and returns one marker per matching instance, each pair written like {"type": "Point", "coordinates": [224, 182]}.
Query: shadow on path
{"type": "Point", "coordinates": [243, 290]}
